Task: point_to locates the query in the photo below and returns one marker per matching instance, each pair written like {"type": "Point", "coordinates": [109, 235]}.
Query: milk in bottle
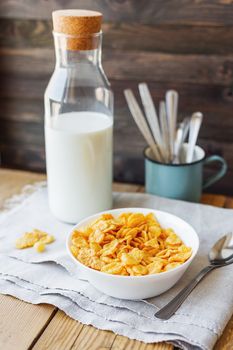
{"type": "Point", "coordinates": [78, 120]}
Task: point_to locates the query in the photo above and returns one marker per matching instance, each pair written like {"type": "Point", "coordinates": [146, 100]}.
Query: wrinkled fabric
{"type": "Point", "coordinates": [52, 277]}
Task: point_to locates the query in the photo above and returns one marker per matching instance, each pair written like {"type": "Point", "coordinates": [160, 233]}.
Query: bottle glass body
{"type": "Point", "coordinates": [78, 132]}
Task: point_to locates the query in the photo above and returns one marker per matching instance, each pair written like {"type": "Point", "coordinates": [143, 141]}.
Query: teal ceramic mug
{"type": "Point", "coordinates": [181, 181]}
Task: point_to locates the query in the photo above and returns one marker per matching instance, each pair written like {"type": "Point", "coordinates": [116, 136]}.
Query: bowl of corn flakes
{"type": "Point", "coordinates": [132, 253]}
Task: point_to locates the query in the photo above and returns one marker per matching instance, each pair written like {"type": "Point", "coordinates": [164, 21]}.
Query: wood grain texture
{"type": "Point", "coordinates": [16, 316]}
{"type": "Point", "coordinates": [92, 338]}
{"type": "Point", "coordinates": [123, 343]}
{"type": "Point", "coordinates": [55, 330]}
{"type": "Point", "coordinates": [150, 66]}
{"type": "Point", "coordinates": [225, 342]}
{"type": "Point", "coordinates": [228, 203]}
{"type": "Point", "coordinates": [12, 182]}
{"type": "Point", "coordinates": [60, 334]}
{"type": "Point", "coordinates": [125, 187]}
{"type": "Point", "coordinates": [22, 97]}
{"type": "Point", "coordinates": [180, 44]}
{"type": "Point", "coordinates": [127, 167]}
{"type": "Point", "coordinates": [22, 102]}
{"type": "Point", "coordinates": [211, 199]}
{"type": "Point", "coordinates": [22, 140]}
{"type": "Point", "coordinates": [214, 12]}
{"type": "Point", "coordinates": [189, 39]}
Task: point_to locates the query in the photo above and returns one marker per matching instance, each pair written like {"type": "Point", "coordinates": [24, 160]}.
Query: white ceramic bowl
{"type": "Point", "coordinates": [139, 287]}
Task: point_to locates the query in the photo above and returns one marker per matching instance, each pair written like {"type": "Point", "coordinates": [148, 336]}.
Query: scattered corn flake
{"type": "Point", "coordinates": [39, 246]}
{"type": "Point", "coordinates": [47, 239]}
{"type": "Point", "coordinates": [36, 238]}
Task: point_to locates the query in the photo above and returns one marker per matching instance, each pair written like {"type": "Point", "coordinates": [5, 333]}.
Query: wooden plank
{"type": "Point", "coordinates": [15, 112]}
{"type": "Point", "coordinates": [128, 160]}
{"type": "Point", "coordinates": [141, 189]}
{"type": "Point", "coordinates": [24, 142]}
{"type": "Point", "coordinates": [22, 99]}
{"type": "Point", "coordinates": [35, 316]}
{"type": "Point", "coordinates": [12, 181]}
{"type": "Point", "coordinates": [226, 340]}
{"type": "Point", "coordinates": [213, 199]}
{"type": "Point", "coordinates": [123, 343]}
{"type": "Point", "coordinates": [21, 323]}
{"type": "Point", "coordinates": [30, 136]}
{"type": "Point", "coordinates": [27, 129]}
{"type": "Point", "coordinates": [26, 88]}
{"type": "Point", "coordinates": [125, 187]}
{"type": "Point", "coordinates": [91, 338]}
{"type": "Point", "coordinates": [25, 158]}
{"type": "Point", "coordinates": [214, 12]}
{"type": "Point", "coordinates": [60, 333]}
{"type": "Point", "coordinates": [229, 203]}
{"type": "Point", "coordinates": [128, 166]}
{"type": "Point", "coordinates": [24, 314]}
{"type": "Point", "coordinates": [14, 132]}
{"type": "Point", "coordinates": [31, 62]}
{"type": "Point", "coordinates": [215, 100]}
{"type": "Point", "coordinates": [24, 33]}
{"type": "Point", "coordinates": [22, 110]}
{"type": "Point", "coordinates": [150, 66]}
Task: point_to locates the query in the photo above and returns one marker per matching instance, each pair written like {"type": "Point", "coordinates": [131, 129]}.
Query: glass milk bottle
{"type": "Point", "coordinates": [78, 119]}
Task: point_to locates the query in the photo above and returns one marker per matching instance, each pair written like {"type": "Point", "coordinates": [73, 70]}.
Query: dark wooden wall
{"type": "Point", "coordinates": [181, 44]}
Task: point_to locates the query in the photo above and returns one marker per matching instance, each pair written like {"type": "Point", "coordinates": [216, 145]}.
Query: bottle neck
{"type": "Point", "coordinates": [72, 51]}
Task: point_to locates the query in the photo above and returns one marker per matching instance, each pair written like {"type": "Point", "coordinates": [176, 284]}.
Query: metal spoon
{"type": "Point", "coordinates": [221, 254]}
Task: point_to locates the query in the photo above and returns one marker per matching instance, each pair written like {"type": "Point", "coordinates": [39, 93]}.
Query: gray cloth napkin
{"type": "Point", "coordinates": [51, 277]}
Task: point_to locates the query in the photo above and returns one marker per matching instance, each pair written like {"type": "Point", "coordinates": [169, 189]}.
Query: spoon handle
{"type": "Point", "coordinates": [168, 310]}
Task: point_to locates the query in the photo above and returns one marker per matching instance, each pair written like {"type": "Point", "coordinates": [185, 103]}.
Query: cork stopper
{"type": "Point", "coordinates": [81, 24]}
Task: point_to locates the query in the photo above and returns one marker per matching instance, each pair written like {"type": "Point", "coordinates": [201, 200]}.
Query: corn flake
{"type": "Point", "coordinates": [36, 238]}
{"type": "Point", "coordinates": [132, 244]}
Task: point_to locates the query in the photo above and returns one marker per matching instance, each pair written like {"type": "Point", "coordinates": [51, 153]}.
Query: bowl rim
{"type": "Point", "coordinates": [134, 209]}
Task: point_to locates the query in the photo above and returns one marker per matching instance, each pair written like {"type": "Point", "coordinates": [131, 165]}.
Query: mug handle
{"type": "Point", "coordinates": [220, 173]}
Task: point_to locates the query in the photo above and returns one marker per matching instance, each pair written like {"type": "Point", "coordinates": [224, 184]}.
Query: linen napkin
{"type": "Point", "coordinates": [53, 278]}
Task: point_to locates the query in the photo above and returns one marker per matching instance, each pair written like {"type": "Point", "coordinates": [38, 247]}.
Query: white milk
{"type": "Point", "coordinates": [79, 164]}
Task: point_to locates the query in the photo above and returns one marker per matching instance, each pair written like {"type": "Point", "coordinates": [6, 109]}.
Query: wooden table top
{"type": "Point", "coordinates": [39, 327]}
